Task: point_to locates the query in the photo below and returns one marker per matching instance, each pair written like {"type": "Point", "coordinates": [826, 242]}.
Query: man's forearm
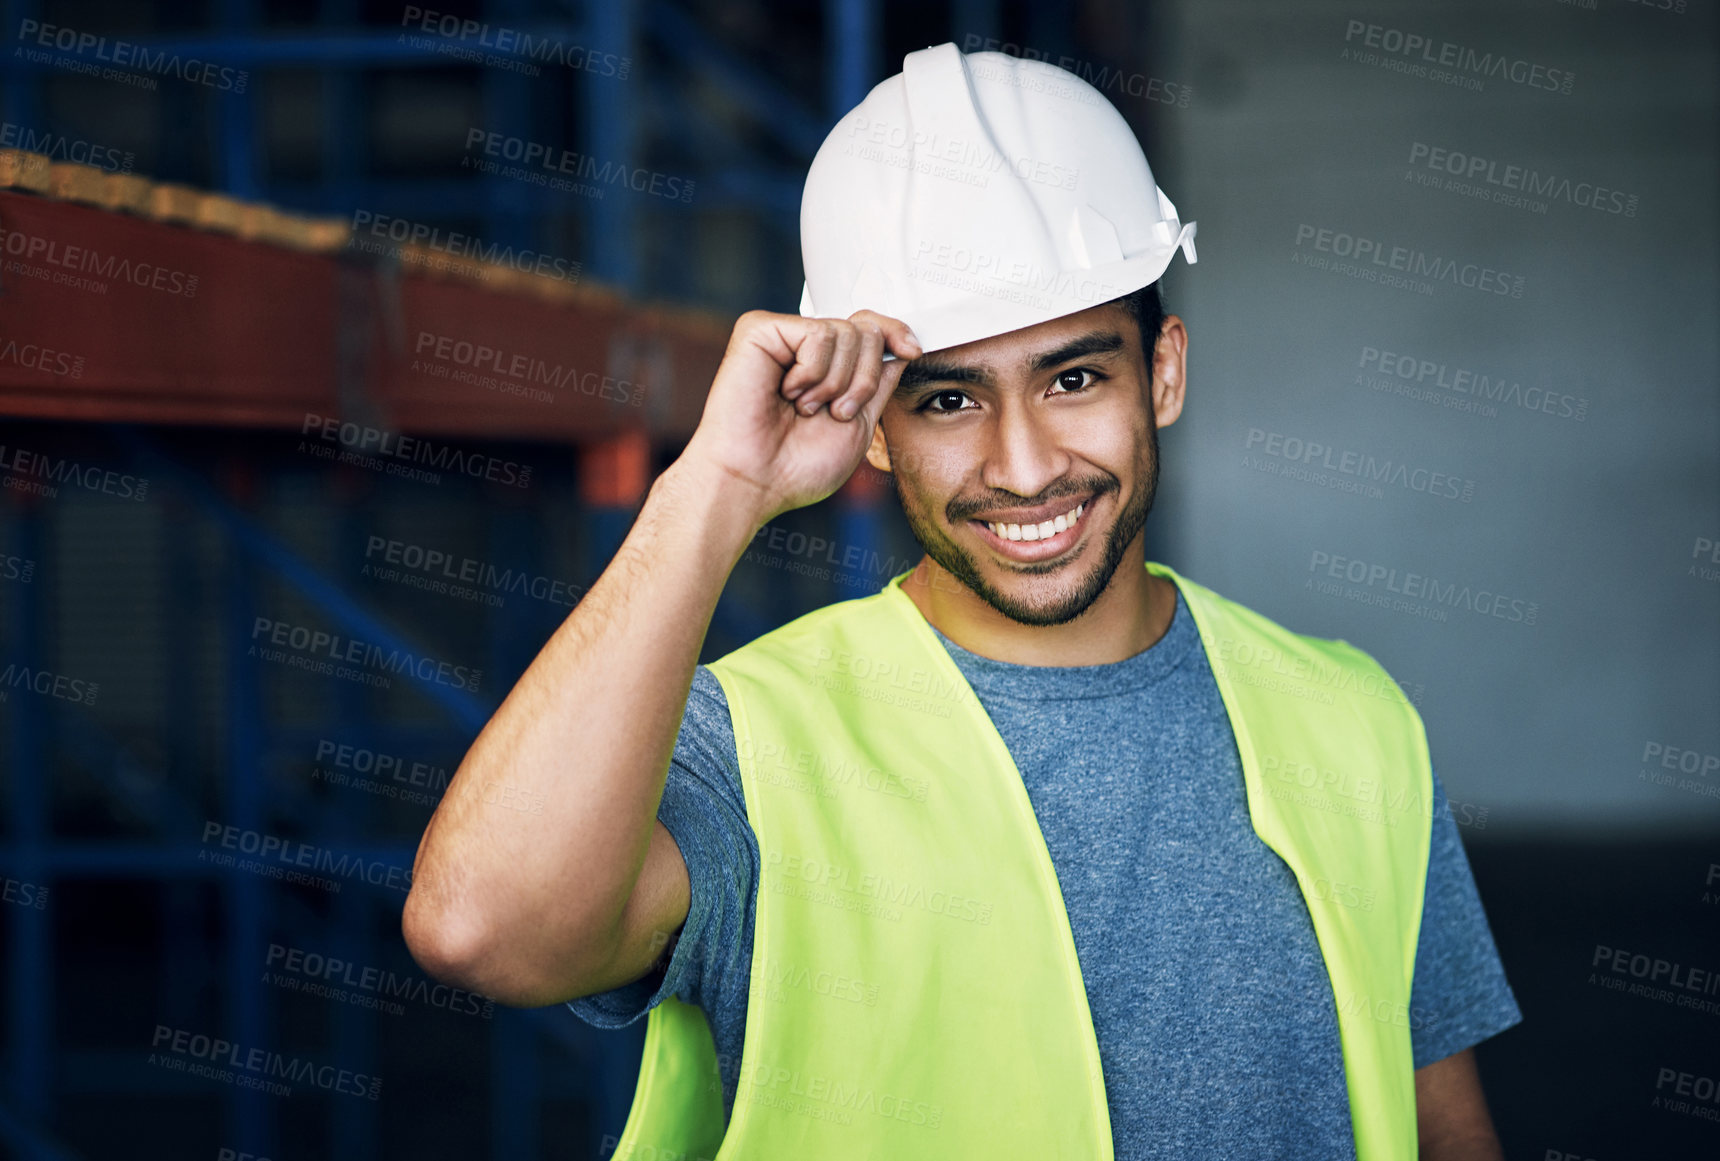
{"type": "Point", "coordinates": [579, 750]}
{"type": "Point", "coordinates": [1452, 1121]}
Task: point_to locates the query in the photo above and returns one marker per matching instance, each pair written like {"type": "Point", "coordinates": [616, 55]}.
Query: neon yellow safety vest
{"type": "Point", "coordinates": [914, 987]}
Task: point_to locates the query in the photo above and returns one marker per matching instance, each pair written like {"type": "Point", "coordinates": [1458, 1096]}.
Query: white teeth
{"type": "Point", "coordinates": [1037, 531]}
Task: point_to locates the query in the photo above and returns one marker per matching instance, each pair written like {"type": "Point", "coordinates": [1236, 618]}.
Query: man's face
{"type": "Point", "coordinates": [1026, 463]}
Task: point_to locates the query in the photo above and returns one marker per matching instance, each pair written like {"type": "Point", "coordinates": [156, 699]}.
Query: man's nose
{"type": "Point", "coordinates": [1023, 454]}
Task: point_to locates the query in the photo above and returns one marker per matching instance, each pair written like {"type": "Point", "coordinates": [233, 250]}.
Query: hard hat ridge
{"type": "Point", "coordinates": [975, 194]}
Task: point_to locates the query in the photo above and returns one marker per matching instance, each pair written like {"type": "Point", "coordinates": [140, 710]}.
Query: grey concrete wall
{"type": "Point", "coordinates": [1585, 495]}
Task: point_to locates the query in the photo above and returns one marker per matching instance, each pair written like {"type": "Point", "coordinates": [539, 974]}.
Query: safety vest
{"type": "Point", "coordinates": [914, 985]}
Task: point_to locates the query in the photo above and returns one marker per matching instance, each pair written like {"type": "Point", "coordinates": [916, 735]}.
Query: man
{"type": "Point", "coordinates": [1043, 851]}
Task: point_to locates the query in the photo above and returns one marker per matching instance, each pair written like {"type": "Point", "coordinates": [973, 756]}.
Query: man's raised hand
{"type": "Point", "coordinates": [793, 405]}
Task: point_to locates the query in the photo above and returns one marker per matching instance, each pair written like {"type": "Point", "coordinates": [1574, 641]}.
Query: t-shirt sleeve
{"type": "Point", "coordinates": [704, 810]}
{"type": "Point", "coordinates": [1458, 996]}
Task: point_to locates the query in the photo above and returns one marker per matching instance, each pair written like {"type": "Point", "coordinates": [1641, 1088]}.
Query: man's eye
{"type": "Point", "coordinates": [1076, 378]}
{"type": "Point", "coordinates": [944, 401]}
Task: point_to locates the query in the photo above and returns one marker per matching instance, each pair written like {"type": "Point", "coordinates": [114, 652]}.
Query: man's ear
{"type": "Point", "coordinates": [878, 452]}
{"type": "Point", "coordinates": [1170, 371]}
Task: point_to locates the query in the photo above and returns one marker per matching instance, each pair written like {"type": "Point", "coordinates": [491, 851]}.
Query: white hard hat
{"type": "Point", "coordinates": [978, 193]}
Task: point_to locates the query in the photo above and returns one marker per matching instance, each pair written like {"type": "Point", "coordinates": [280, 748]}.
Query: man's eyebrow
{"type": "Point", "coordinates": [924, 370]}
{"type": "Point", "coordinates": [1097, 343]}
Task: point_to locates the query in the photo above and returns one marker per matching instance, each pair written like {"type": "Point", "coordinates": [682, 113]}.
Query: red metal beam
{"type": "Point", "coordinates": [108, 316]}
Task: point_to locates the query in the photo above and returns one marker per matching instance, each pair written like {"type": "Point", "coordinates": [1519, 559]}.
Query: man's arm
{"type": "Point", "coordinates": [572, 897]}
{"type": "Point", "coordinates": [534, 907]}
{"type": "Point", "coordinates": [1458, 997]}
{"type": "Point", "coordinates": [1451, 1118]}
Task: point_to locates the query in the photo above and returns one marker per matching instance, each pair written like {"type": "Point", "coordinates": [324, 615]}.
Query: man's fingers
{"type": "Point", "coordinates": [842, 362]}
{"type": "Point", "coordinates": [899, 338]}
{"type": "Point", "coordinates": [868, 366]}
{"type": "Point", "coordinates": [812, 356]}
{"type": "Point", "coordinates": [873, 407]}
{"type": "Point", "coordinates": [837, 377]}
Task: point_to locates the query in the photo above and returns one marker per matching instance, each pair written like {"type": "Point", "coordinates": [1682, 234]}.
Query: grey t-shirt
{"type": "Point", "coordinates": [1214, 1014]}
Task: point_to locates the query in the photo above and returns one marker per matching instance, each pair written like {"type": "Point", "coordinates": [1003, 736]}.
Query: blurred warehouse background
{"type": "Point", "coordinates": [371, 323]}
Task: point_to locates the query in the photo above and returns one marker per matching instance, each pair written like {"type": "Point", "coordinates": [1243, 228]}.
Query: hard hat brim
{"type": "Point", "coordinates": [997, 307]}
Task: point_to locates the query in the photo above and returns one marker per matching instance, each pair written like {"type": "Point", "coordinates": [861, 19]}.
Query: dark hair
{"type": "Point", "coordinates": [1148, 310]}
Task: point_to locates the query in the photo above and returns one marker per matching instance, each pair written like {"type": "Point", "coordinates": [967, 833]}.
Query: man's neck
{"type": "Point", "coordinates": [1127, 618]}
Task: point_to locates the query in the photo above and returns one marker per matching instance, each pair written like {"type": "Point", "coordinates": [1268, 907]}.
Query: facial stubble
{"type": "Point", "coordinates": [960, 563]}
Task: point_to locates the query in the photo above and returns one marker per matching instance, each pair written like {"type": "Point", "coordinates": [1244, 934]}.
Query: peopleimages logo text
{"type": "Point", "coordinates": [295, 853]}
{"type": "Point", "coordinates": [332, 971]}
{"type": "Point", "coordinates": [1421, 587]}
{"type": "Point", "coordinates": [1099, 76]}
{"type": "Point", "coordinates": [32, 248]}
{"type": "Point", "coordinates": [401, 232]}
{"type": "Point", "coordinates": [415, 449]}
{"type": "Point", "coordinates": [1522, 178]}
{"type": "Point", "coordinates": [438, 565]}
{"type": "Point", "coordinates": [131, 55]}
{"type": "Point", "coordinates": [526, 368]}
{"type": "Point", "coordinates": [262, 1063]}
{"type": "Point", "coordinates": [1460, 58]}
{"type": "Point", "coordinates": [319, 644]}
{"type": "Point", "coordinates": [1480, 385]}
{"type": "Point", "coordinates": [27, 465]}
{"type": "Point", "coordinates": [1411, 261]}
{"type": "Point", "coordinates": [36, 357]}
{"type": "Point", "coordinates": [553, 159]}
{"type": "Point", "coordinates": [59, 147]}
{"type": "Point", "coordinates": [1360, 465]}
{"type": "Point", "coordinates": [539, 48]}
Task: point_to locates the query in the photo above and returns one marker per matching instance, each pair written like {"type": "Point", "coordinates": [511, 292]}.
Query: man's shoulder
{"type": "Point", "coordinates": [1252, 645]}
{"type": "Point", "coordinates": [1234, 614]}
{"type": "Point", "coordinates": [800, 642]}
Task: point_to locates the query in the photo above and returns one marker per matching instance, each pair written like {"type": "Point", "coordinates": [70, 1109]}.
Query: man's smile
{"type": "Point", "coordinates": [1037, 533]}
